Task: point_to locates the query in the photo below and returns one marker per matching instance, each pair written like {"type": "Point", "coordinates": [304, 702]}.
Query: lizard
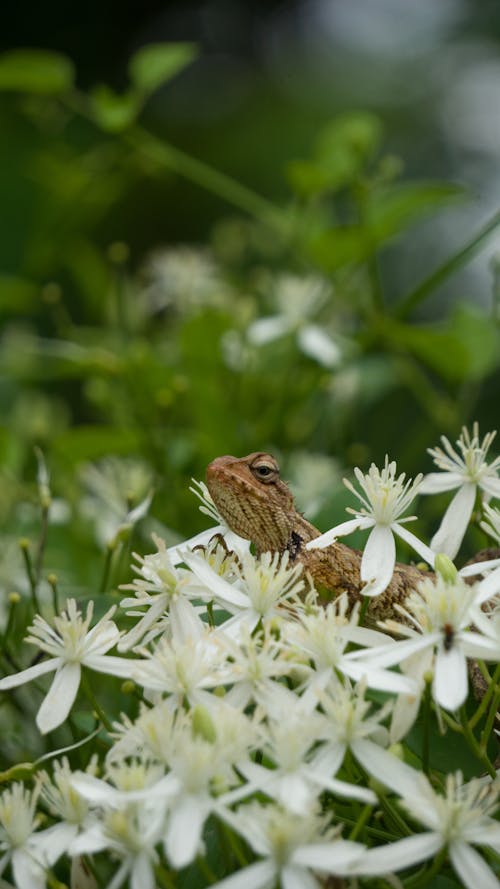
{"type": "Point", "coordinates": [258, 505]}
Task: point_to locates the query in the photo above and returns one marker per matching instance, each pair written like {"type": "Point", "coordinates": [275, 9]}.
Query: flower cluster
{"type": "Point", "coordinates": [269, 739]}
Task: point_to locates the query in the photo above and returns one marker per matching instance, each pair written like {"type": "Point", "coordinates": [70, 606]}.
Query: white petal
{"type": "Point", "coordinates": [422, 549]}
{"type": "Point", "coordinates": [478, 567]}
{"type": "Point", "coordinates": [471, 867]}
{"type": "Point", "coordinates": [297, 878]}
{"type": "Point", "coordinates": [375, 677]}
{"type": "Point", "coordinates": [339, 531]}
{"type": "Point", "coordinates": [438, 482]}
{"type": "Point", "coordinates": [265, 330]}
{"type": "Point", "coordinates": [184, 830]}
{"type": "Point", "coordinates": [490, 484]}
{"type": "Point", "coordinates": [335, 857]}
{"type": "Point", "coordinates": [450, 684]}
{"type": "Point", "coordinates": [386, 767]}
{"type": "Point", "coordinates": [378, 560]}
{"type": "Point", "coordinates": [488, 587]}
{"type": "Point", "coordinates": [399, 855]}
{"type": "Point", "coordinates": [387, 655]}
{"type": "Point", "coordinates": [344, 789]}
{"type": "Point", "coordinates": [261, 875]}
{"type": "Point", "coordinates": [142, 875]}
{"type": "Point", "coordinates": [184, 621]}
{"type": "Point", "coordinates": [27, 872]}
{"type": "Point", "coordinates": [451, 531]}
{"type": "Point", "coordinates": [220, 588]}
{"type": "Point", "coordinates": [475, 645]}
{"type": "Point", "coordinates": [315, 343]}
{"type": "Point", "coordinates": [122, 667]}
{"type": "Point", "coordinates": [31, 673]}
{"type": "Point", "coordinates": [60, 698]}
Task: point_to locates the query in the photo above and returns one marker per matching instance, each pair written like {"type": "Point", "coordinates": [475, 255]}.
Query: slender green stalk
{"type": "Point", "coordinates": [52, 581]}
{"type": "Point", "coordinates": [451, 265]}
{"type": "Point", "coordinates": [423, 879]}
{"type": "Point", "coordinates": [474, 745]}
{"type": "Point", "coordinates": [202, 174]}
{"type": "Point", "coordinates": [106, 571]}
{"type": "Point", "coordinates": [24, 545]}
{"type": "Point", "coordinates": [492, 684]}
{"type": "Point", "coordinates": [205, 868]}
{"type": "Point", "coordinates": [87, 688]}
{"type": "Point", "coordinates": [361, 822]}
{"type": "Point", "coordinates": [488, 726]}
{"type": "Point", "coordinates": [426, 727]}
{"type": "Point", "coordinates": [42, 541]}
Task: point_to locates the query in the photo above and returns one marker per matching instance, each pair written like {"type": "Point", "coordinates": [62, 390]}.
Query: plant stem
{"type": "Point", "coordinates": [442, 272]}
{"type": "Point", "coordinates": [95, 704]}
{"type": "Point", "coordinates": [426, 713]}
{"type": "Point", "coordinates": [474, 745]}
{"type": "Point", "coordinates": [362, 820]}
{"type": "Point", "coordinates": [493, 682]}
{"type": "Point", "coordinates": [24, 545]}
{"type": "Point", "coordinates": [202, 174]}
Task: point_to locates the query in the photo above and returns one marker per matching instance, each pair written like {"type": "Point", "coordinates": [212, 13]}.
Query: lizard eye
{"type": "Point", "coordinates": [265, 472]}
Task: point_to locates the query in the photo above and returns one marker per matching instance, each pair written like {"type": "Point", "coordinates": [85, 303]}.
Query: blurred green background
{"type": "Point", "coordinates": [230, 227]}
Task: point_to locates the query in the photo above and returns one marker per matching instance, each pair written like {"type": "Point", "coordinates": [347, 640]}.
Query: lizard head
{"type": "Point", "coordinates": [252, 499]}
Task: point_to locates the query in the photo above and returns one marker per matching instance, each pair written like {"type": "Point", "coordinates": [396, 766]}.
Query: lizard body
{"type": "Point", "coordinates": [256, 504]}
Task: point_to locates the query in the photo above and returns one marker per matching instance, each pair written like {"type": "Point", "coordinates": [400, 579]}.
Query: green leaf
{"type": "Point", "coordinates": [467, 348]}
{"type": "Point", "coordinates": [342, 151]}
{"type": "Point", "coordinates": [35, 71]}
{"type": "Point", "coordinates": [157, 63]}
{"type": "Point", "coordinates": [398, 206]}
{"type": "Point", "coordinates": [388, 213]}
{"type": "Point", "coordinates": [112, 111]}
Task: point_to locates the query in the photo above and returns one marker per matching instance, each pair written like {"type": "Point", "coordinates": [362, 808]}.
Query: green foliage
{"type": "Point", "coordinates": [156, 63]}
{"type": "Point", "coordinates": [35, 71]}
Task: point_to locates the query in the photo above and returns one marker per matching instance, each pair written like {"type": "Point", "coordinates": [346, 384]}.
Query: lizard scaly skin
{"type": "Point", "coordinates": [258, 505]}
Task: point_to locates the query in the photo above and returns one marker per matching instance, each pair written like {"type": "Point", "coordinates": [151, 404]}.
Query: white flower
{"type": "Point", "coordinates": [130, 824]}
{"type": "Point", "coordinates": [297, 299]}
{"type": "Point", "coordinates": [350, 724]}
{"type": "Point", "coordinates": [64, 801]}
{"type": "Point", "coordinates": [185, 276]}
{"type": "Point", "coordinates": [323, 637]}
{"type": "Point", "coordinates": [182, 667]}
{"type": "Point", "coordinates": [290, 846]}
{"type": "Point", "coordinates": [269, 584]}
{"type": "Point", "coordinates": [254, 661]}
{"type": "Point", "coordinates": [72, 645]}
{"type": "Point", "coordinates": [385, 499]}
{"type": "Point", "coordinates": [28, 851]}
{"type": "Point", "coordinates": [289, 741]}
{"type": "Point", "coordinates": [458, 820]}
{"type": "Point", "coordinates": [439, 616]}
{"type": "Point", "coordinates": [119, 493]}
{"type": "Point", "coordinates": [162, 589]}
{"type": "Point", "coordinates": [466, 469]}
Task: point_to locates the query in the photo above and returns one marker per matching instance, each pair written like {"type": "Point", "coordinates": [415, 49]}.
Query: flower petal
{"type": "Point", "coordinates": [386, 767]}
{"type": "Point", "coordinates": [184, 830]}
{"type": "Point", "coordinates": [336, 857]}
{"type": "Point", "coordinates": [265, 330]}
{"type": "Point", "coordinates": [377, 563]}
{"type": "Point", "coordinates": [293, 877]}
{"type": "Point", "coordinates": [220, 588]}
{"type": "Point", "coordinates": [438, 482]}
{"type": "Point", "coordinates": [424, 551]}
{"type": "Point", "coordinates": [60, 697]}
{"type": "Point", "coordinates": [383, 680]}
{"type": "Point", "coordinates": [399, 855]}
{"type": "Point", "coordinates": [471, 867]}
{"type": "Point", "coordinates": [261, 875]}
{"type": "Point", "coordinates": [315, 343]}
{"type": "Point", "coordinates": [339, 531]}
{"type": "Point", "coordinates": [31, 673]}
{"type": "Point", "coordinates": [450, 683]}
{"type": "Point", "coordinates": [451, 531]}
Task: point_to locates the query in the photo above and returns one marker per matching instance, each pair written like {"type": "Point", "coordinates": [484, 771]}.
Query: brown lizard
{"type": "Point", "coordinates": [259, 506]}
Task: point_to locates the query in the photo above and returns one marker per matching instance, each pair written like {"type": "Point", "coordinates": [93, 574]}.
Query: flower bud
{"type": "Point", "coordinates": [445, 567]}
